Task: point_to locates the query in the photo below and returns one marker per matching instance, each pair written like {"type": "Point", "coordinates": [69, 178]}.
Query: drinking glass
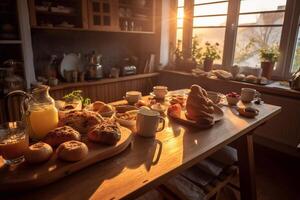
{"type": "Point", "coordinates": [13, 142]}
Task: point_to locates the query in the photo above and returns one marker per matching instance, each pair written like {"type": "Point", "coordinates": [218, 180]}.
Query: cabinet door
{"type": "Point", "coordinates": [103, 15]}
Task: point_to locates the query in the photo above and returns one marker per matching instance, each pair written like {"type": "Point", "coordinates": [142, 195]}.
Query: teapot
{"type": "Point", "coordinates": [38, 111]}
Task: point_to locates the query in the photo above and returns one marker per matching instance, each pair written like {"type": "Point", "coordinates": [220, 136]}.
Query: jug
{"type": "Point", "coordinates": [38, 111]}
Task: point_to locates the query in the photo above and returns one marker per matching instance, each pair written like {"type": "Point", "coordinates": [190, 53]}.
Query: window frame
{"type": "Point", "coordinates": [287, 43]}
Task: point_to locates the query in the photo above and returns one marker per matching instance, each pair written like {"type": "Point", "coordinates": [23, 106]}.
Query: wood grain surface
{"type": "Point", "coordinates": [149, 162]}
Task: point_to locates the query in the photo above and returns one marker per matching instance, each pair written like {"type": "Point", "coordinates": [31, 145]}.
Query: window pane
{"type": "Point", "coordinates": [261, 5]}
{"type": "Point", "coordinates": [296, 62]}
{"type": "Point", "coordinates": [205, 1]}
{"type": "Point", "coordinates": [211, 35]}
{"type": "Point", "coordinates": [262, 19]}
{"type": "Point", "coordinates": [180, 3]}
{"type": "Point", "coordinates": [209, 21]}
{"type": "Point", "coordinates": [180, 13]}
{"type": "Point", "coordinates": [179, 23]}
{"type": "Point", "coordinates": [211, 9]}
{"type": "Point", "coordinates": [179, 38]}
{"type": "Point", "coordinates": [250, 40]}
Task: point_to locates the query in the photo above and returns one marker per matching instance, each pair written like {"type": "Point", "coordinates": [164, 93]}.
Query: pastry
{"type": "Point", "coordinates": [141, 103]}
{"type": "Point", "coordinates": [251, 79]}
{"type": "Point", "coordinates": [222, 74]}
{"type": "Point", "coordinates": [100, 107]}
{"type": "Point", "coordinates": [61, 135]}
{"type": "Point", "coordinates": [248, 112]}
{"type": "Point", "coordinates": [38, 152]}
{"type": "Point", "coordinates": [199, 107]}
{"type": "Point", "coordinates": [240, 77]}
{"type": "Point", "coordinates": [72, 151]}
{"type": "Point", "coordinates": [107, 133]}
{"type": "Point", "coordinates": [174, 110]}
{"type": "Point", "coordinates": [178, 99]}
{"type": "Point", "coordinates": [81, 121]}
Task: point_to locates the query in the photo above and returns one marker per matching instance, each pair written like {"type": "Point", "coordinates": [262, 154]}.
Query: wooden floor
{"type": "Point", "coordinates": [277, 176]}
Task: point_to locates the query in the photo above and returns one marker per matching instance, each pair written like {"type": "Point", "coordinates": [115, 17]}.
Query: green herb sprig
{"type": "Point", "coordinates": [77, 95]}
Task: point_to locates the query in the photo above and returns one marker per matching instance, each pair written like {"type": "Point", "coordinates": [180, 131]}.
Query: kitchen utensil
{"type": "Point", "coordinates": [69, 62]}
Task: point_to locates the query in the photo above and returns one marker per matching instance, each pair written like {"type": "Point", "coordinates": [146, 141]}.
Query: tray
{"type": "Point", "coordinates": [26, 176]}
{"type": "Point", "coordinates": [218, 115]}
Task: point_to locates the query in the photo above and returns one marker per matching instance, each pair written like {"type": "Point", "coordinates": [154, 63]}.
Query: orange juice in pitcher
{"type": "Point", "coordinates": [41, 114]}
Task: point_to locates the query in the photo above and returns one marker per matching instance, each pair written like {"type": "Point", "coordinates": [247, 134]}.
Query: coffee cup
{"type": "Point", "coordinates": [147, 123]}
{"type": "Point", "coordinates": [160, 91]}
{"type": "Point", "coordinates": [133, 96]}
{"type": "Point", "coordinates": [248, 94]}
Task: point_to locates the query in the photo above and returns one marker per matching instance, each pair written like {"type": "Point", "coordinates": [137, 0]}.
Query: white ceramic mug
{"type": "Point", "coordinates": [160, 91]}
{"type": "Point", "coordinates": [133, 96]}
{"type": "Point", "coordinates": [248, 94]}
{"type": "Point", "coordinates": [147, 123]}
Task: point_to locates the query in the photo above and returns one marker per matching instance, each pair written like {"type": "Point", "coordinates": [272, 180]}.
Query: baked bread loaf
{"type": "Point", "coordinates": [199, 107]}
{"type": "Point", "coordinates": [72, 151]}
{"type": "Point", "coordinates": [222, 74]}
{"type": "Point", "coordinates": [251, 79]}
{"type": "Point", "coordinates": [107, 133]}
{"type": "Point", "coordinates": [38, 152]}
{"type": "Point", "coordinates": [61, 135]}
{"type": "Point", "coordinates": [81, 121]}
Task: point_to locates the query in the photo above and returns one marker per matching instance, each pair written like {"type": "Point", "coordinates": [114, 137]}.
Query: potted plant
{"type": "Point", "coordinates": [211, 53]}
{"type": "Point", "coordinates": [269, 56]}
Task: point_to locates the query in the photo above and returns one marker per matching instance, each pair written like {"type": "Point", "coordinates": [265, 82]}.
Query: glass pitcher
{"type": "Point", "coordinates": [38, 111]}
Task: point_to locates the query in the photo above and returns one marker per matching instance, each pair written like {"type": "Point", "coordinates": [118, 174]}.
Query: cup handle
{"type": "Point", "coordinates": [161, 119]}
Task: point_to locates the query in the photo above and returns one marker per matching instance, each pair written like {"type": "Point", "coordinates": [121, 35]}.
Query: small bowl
{"type": "Point", "coordinates": [232, 100]}
{"type": "Point", "coordinates": [125, 108]}
{"type": "Point", "coordinates": [214, 96]}
{"type": "Point", "coordinates": [127, 123]}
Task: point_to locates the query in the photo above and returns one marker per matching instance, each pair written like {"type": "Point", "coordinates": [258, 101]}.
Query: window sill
{"type": "Point", "coordinates": [273, 89]}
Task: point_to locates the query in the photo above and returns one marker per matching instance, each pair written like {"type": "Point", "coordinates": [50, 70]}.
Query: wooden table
{"type": "Point", "coordinates": [149, 162]}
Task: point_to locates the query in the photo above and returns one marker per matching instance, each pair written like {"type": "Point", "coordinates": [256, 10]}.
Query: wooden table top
{"type": "Point", "coordinates": [148, 162]}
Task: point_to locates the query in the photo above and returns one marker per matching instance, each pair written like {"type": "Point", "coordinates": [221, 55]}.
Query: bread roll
{"type": "Point", "coordinates": [81, 121]}
{"type": "Point", "coordinates": [38, 152]}
{"type": "Point", "coordinates": [72, 151]}
{"type": "Point", "coordinates": [107, 133]}
{"type": "Point", "coordinates": [61, 135]}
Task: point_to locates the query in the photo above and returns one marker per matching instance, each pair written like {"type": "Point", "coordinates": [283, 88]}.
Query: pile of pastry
{"type": "Point", "coordinates": [199, 107]}
{"type": "Point", "coordinates": [69, 139]}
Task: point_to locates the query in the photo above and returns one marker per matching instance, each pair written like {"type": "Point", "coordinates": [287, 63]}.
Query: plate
{"type": "Point", "coordinates": [69, 62]}
{"type": "Point", "coordinates": [218, 116]}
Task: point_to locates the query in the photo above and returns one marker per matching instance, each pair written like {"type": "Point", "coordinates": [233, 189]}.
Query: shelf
{"type": "Point", "coordinates": [122, 5]}
{"type": "Point", "coordinates": [56, 13]}
{"type": "Point", "coordinates": [10, 42]}
{"type": "Point", "coordinates": [135, 19]}
{"type": "Point", "coordinates": [90, 30]}
{"type": "Point", "coordinates": [103, 81]}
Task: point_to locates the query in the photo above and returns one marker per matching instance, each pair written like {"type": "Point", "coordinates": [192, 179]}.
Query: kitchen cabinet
{"type": "Point", "coordinates": [130, 16]}
{"type": "Point", "coordinates": [102, 15]}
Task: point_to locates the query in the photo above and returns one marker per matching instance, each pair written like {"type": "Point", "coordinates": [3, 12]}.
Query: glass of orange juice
{"type": "Point", "coordinates": [13, 142]}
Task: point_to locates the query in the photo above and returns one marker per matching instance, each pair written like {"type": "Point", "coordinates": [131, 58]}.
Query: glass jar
{"type": "Point", "coordinates": [41, 114]}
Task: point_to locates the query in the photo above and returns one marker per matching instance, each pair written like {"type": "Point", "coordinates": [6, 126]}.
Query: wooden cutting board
{"type": "Point", "coordinates": [25, 176]}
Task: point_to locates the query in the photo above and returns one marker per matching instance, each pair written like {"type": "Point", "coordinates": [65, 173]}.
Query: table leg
{"type": "Point", "coordinates": [246, 167]}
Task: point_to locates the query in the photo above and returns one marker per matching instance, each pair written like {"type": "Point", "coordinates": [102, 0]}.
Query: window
{"type": "Point", "coordinates": [180, 15]}
{"type": "Point", "coordinates": [209, 23]}
{"type": "Point", "coordinates": [260, 25]}
{"type": "Point", "coordinates": [296, 61]}
{"type": "Point", "coordinates": [247, 26]}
